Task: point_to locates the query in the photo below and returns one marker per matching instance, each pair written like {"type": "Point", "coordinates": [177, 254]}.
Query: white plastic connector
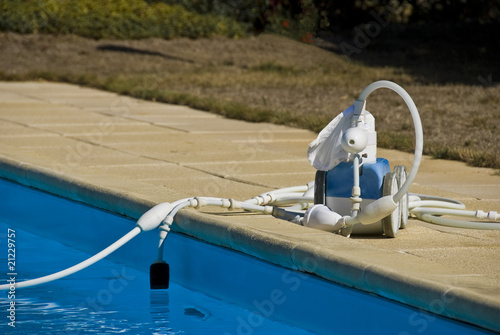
{"type": "Point", "coordinates": [200, 202]}
{"type": "Point", "coordinates": [168, 221]}
{"type": "Point", "coordinates": [193, 202]}
{"type": "Point", "coordinates": [493, 216]}
{"type": "Point", "coordinates": [359, 107]}
{"type": "Point", "coordinates": [271, 198]}
{"type": "Point", "coordinates": [496, 216]}
{"type": "Point", "coordinates": [234, 204]}
{"type": "Point", "coordinates": [375, 211]}
{"type": "Point", "coordinates": [354, 140]}
{"type": "Point", "coordinates": [226, 203]}
{"type": "Point", "coordinates": [481, 214]}
{"type": "Point", "coordinates": [356, 199]}
{"type": "Point", "coordinates": [154, 216]}
{"type": "Point", "coordinates": [259, 199]}
{"type": "Point", "coordinates": [268, 210]}
{"type": "Point", "coordinates": [323, 218]}
{"type": "Point", "coordinates": [164, 229]}
{"type": "Point", "coordinates": [288, 215]}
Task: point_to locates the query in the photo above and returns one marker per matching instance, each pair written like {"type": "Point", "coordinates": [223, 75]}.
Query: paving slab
{"type": "Point", "coordinates": [126, 155]}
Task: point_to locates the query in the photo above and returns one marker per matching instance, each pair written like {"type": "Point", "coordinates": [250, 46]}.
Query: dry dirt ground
{"type": "Point", "coordinates": [460, 112]}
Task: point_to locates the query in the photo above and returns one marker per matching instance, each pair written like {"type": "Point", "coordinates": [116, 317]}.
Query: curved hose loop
{"type": "Point", "coordinates": [419, 136]}
{"type": "Point", "coordinates": [436, 198]}
{"type": "Point", "coordinates": [434, 204]}
{"type": "Point", "coordinates": [293, 189]}
{"type": "Point", "coordinates": [430, 217]}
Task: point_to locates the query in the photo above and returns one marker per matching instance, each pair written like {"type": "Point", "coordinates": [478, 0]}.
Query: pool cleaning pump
{"type": "Point", "coordinates": [345, 155]}
{"type": "Point", "coordinates": [354, 192]}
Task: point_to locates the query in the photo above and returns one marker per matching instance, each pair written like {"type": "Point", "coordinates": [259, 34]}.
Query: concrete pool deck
{"type": "Point", "coordinates": [126, 155]}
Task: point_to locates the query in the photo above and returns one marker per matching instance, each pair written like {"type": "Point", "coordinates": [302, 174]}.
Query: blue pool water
{"type": "Point", "coordinates": [111, 298]}
{"type": "Point", "coordinates": [213, 290]}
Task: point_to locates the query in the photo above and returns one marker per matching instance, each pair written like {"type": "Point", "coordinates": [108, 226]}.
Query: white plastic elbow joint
{"type": "Point", "coordinates": [323, 218]}
{"type": "Point", "coordinates": [377, 210]}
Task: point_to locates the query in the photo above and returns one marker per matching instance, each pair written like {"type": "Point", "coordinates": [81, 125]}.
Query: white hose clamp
{"type": "Point", "coordinates": [168, 220]}
{"type": "Point", "coordinates": [272, 197]}
{"type": "Point", "coordinates": [198, 202]}
{"type": "Point", "coordinates": [493, 216]}
{"type": "Point", "coordinates": [164, 227]}
{"type": "Point", "coordinates": [226, 203]}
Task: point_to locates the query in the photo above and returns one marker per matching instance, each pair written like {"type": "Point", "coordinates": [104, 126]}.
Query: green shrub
{"type": "Point", "coordinates": [122, 19]}
{"type": "Point", "coordinates": [295, 19]}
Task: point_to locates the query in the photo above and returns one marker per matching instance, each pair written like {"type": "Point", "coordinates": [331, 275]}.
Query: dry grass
{"type": "Point", "coordinates": [269, 78]}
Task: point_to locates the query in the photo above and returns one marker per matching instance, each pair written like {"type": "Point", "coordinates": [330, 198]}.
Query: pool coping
{"type": "Point", "coordinates": [442, 294]}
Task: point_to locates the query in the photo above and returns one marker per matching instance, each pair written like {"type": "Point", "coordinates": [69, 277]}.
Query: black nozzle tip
{"type": "Point", "coordinates": [159, 276]}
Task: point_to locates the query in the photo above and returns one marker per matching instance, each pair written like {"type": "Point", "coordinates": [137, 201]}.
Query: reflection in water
{"type": "Point", "coordinates": [159, 310]}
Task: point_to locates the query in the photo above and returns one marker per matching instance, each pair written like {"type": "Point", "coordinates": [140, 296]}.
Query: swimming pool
{"type": "Point", "coordinates": [110, 298]}
{"type": "Point", "coordinates": [213, 290]}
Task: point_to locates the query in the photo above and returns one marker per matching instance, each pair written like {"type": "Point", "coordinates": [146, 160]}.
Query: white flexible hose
{"type": "Point", "coordinates": [426, 210]}
{"type": "Point", "coordinates": [432, 211]}
{"type": "Point", "coordinates": [442, 211]}
{"type": "Point", "coordinates": [434, 203]}
{"type": "Point", "coordinates": [432, 197]}
{"type": "Point", "coordinates": [293, 189]}
{"type": "Point", "coordinates": [289, 200]}
{"type": "Point", "coordinates": [75, 268]}
{"type": "Point", "coordinates": [430, 217]}
{"type": "Point", "coordinates": [419, 135]}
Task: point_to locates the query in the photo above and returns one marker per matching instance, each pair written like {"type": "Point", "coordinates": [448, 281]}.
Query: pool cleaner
{"type": "Point", "coordinates": [354, 192]}
{"type": "Point", "coordinates": [345, 155]}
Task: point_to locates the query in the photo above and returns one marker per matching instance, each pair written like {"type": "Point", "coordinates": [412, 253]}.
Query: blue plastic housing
{"type": "Point", "coordinates": [339, 180]}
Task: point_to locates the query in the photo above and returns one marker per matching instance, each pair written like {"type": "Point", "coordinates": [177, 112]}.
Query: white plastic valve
{"type": "Point", "coordinates": [354, 140]}
{"type": "Point", "coordinates": [154, 216]}
{"type": "Point", "coordinates": [323, 218]}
